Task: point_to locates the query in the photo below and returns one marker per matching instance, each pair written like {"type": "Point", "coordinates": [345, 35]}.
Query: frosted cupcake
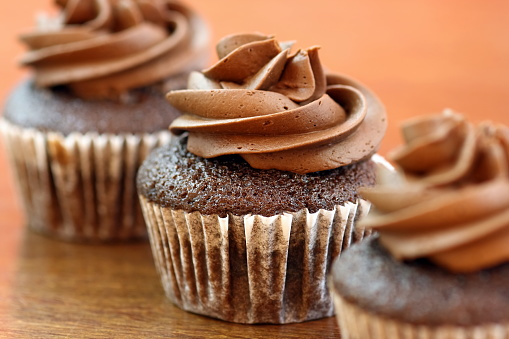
{"type": "Point", "coordinates": [248, 208]}
{"type": "Point", "coordinates": [77, 130]}
{"type": "Point", "coordinates": [439, 267]}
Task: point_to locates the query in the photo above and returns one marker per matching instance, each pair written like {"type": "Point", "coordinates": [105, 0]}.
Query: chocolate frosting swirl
{"type": "Point", "coordinates": [103, 48]}
{"type": "Point", "coordinates": [277, 109]}
{"type": "Point", "coordinates": [450, 201]}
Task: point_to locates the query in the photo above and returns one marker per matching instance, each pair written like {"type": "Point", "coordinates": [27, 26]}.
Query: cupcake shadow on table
{"type": "Point", "coordinates": [78, 130]}
{"type": "Point", "coordinates": [438, 266]}
{"type": "Point", "coordinates": [248, 208]}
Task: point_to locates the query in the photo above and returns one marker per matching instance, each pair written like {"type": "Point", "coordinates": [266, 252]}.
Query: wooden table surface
{"type": "Point", "coordinates": [419, 56]}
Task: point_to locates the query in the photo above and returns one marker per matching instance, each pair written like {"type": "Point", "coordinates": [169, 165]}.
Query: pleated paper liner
{"type": "Point", "coordinates": [251, 269]}
{"type": "Point", "coordinates": [80, 187]}
{"type": "Point", "coordinates": [356, 323]}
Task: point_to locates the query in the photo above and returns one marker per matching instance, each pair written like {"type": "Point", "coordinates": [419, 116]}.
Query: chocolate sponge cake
{"type": "Point", "coordinates": [58, 110]}
{"type": "Point", "coordinates": [228, 185]}
{"type": "Point", "coordinates": [418, 292]}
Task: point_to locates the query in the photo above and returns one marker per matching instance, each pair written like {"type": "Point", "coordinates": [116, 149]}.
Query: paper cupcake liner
{"type": "Point", "coordinates": [251, 269]}
{"type": "Point", "coordinates": [356, 323]}
{"type": "Point", "coordinates": [80, 187]}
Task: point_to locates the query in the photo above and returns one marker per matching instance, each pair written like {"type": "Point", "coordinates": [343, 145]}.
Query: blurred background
{"type": "Point", "coordinates": [419, 56]}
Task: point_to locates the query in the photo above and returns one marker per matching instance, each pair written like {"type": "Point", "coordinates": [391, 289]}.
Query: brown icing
{"type": "Point", "coordinates": [450, 201]}
{"type": "Point", "coordinates": [103, 48]}
{"type": "Point", "coordinates": [277, 109]}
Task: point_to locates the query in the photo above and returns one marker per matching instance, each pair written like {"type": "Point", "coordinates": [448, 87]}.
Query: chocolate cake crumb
{"type": "Point", "coordinates": [173, 177]}
{"type": "Point", "coordinates": [418, 291]}
{"type": "Point", "coordinates": [58, 110]}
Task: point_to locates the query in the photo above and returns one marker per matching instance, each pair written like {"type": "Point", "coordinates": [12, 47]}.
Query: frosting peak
{"type": "Point", "coordinates": [103, 48]}
{"type": "Point", "coordinates": [450, 201]}
{"type": "Point", "coordinates": [277, 109]}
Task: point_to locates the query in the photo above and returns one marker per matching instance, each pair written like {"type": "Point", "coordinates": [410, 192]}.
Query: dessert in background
{"type": "Point", "coordinates": [248, 208]}
{"type": "Point", "coordinates": [79, 127]}
{"type": "Point", "coordinates": [438, 267]}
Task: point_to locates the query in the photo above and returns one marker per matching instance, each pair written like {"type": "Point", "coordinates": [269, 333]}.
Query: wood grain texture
{"type": "Point", "coordinates": [106, 291]}
{"type": "Point", "coordinates": [418, 56]}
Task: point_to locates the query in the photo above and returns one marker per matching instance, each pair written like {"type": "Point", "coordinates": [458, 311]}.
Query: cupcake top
{"type": "Point", "coordinates": [419, 292]}
{"type": "Point", "coordinates": [277, 109]}
{"type": "Point", "coordinates": [173, 177]}
{"type": "Point", "coordinates": [449, 202]}
{"type": "Point", "coordinates": [104, 48]}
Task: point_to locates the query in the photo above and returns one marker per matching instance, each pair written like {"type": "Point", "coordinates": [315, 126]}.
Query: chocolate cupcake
{"type": "Point", "coordinates": [78, 130]}
{"type": "Point", "coordinates": [248, 208]}
{"type": "Point", "coordinates": [438, 267]}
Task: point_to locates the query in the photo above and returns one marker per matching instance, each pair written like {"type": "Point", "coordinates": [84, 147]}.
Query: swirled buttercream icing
{"type": "Point", "coordinates": [450, 200]}
{"type": "Point", "coordinates": [104, 48]}
{"type": "Point", "coordinates": [277, 109]}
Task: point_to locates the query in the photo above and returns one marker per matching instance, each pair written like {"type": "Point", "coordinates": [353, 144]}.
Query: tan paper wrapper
{"type": "Point", "coordinates": [251, 269]}
{"type": "Point", "coordinates": [356, 323]}
{"type": "Point", "coordinates": [80, 187]}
